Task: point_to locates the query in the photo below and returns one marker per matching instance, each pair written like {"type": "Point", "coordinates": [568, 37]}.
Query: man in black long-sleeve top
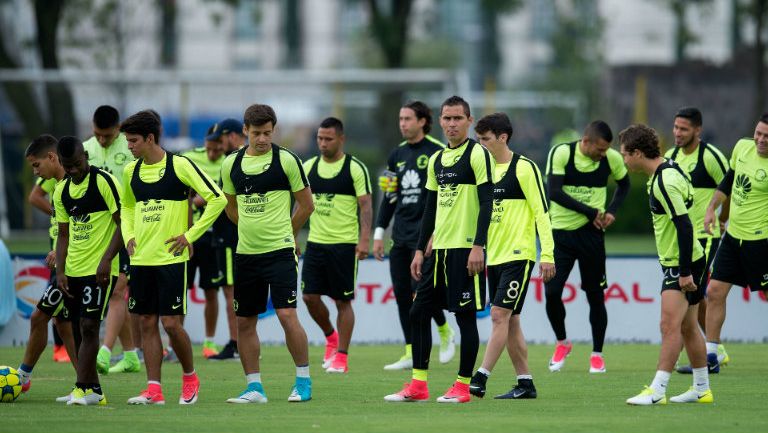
{"type": "Point", "coordinates": [404, 188]}
{"type": "Point", "coordinates": [578, 175]}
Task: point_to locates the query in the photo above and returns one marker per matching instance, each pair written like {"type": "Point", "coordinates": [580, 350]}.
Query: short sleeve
{"type": "Point", "coordinates": [360, 178]}
{"type": "Point", "coordinates": [616, 162]}
{"type": "Point", "coordinates": [431, 179]}
{"type": "Point", "coordinates": [480, 160]}
{"type": "Point", "coordinates": [558, 158]}
{"type": "Point", "coordinates": [47, 185]}
{"type": "Point", "coordinates": [674, 191]}
{"type": "Point", "coordinates": [61, 212]}
{"type": "Point", "coordinates": [110, 189]}
{"type": "Point", "coordinates": [226, 180]}
{"type": "Point", "coordinates": [294, 170]}
{"type": "Point", "coordinates": [715, 163]}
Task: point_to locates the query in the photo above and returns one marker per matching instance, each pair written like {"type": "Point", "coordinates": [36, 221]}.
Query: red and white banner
{"type": "Point", "coordinates": [632, 300]}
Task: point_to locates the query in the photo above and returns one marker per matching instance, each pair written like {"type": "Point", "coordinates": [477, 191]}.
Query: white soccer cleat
{"type": "Point", "coordinates": [86, 398]}
{"type": "Point", "coordinates": [65, 399]}
{"type": "Point", "coordinates": [252, 394]}
{"type": "Point", "coordinates": [447, 347]}
{"type": "Point", "coordinates": [647, 398]}
{"type": "Point", "coordinates": [693, 396]}
{"type": "Point", "coordinates": [404, 363]}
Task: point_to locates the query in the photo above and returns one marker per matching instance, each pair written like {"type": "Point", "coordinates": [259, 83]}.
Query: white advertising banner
{"type": "Point", "coordinates": [632, 300]}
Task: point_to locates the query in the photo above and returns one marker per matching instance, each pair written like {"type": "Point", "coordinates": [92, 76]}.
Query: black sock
{"type": "Point", "coordinates": [328, 334]}
{"type": "Point", "coordinates": [343, 351]}
{"type": "Point", "coordinates": [470, 342]}
{"type": "Point", "coordinates": [81, 385]}
{"type": "Point", "coordinates": [96, 388]}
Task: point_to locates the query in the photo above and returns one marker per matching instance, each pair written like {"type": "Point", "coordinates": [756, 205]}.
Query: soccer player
{"type": "Point", "coordinates": [230, 133]}
{"type": "Point", "coordinates": [706, 167]}
{"type": "Point", "coordinates": [458, 211]}
{"type": "Point", "coordinates": [157, 234]}
{"type": "Point", "coordinates": [108, 150]}
{"type": "Point", "coordinates": [682, 263]}
{"type": "Point", "coordinates": [341, 188]}
{"type": "Point", "coordinates": [519, 212]}
{"type": "Point", "coordinates": [407, 164]}
{"type": "Point", "coordinates": [578, 175]}
{"type": "Point", "coordinates": [259, 181]}
{"type": "Point", "coordinates": [206, 255]}
{"type": "Point", "coordinates": [742, 258]}
{"type": "Point", "coordinates": [42, 157]}
{"type": "Point", "coordinates": [88, 213]}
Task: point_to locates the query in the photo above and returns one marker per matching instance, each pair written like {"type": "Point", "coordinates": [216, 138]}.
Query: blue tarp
{"type": "Point", "coordinates": [7, 289]}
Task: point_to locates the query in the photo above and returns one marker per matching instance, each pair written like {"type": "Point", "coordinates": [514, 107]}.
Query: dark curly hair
{"type": "Point", "coordinates": [641, 137]}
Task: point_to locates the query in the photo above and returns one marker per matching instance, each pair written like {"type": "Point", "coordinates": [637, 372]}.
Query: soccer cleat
{"type": "Point", "coordinates": [523, 389]}
{"type": "Point", "coordinates": [477, 384]}
{"type": "Point", "coordinates": [722, 355]}
{"type": "Point", "coordinates": [301, 391]}
{"type": "Point", "coordinates": [562, 350]}
{"type": "Point", "coordinates": [170, 356]}
{"type": "Point", "coordinates": [447, 346]}
{"type": "Point", "coordinates": [687, 369]}
{"type": "Point", "coordinates": [228, 352]}
{"type": "Point", "coordinates": [692, 396]}
{"type": "Point", "coordinates": [413, 391]}
{"type": "Point", "coordinates": [87, 398]}
{"type": "Point", "coordinates": [596, 364]}
{"type": "Point", "coordinates": [102, 361]}
{"type": "Point", "coordinates": [712, 363]}
{"type": "Point", "coordinates": [339, 364]}
{"type": "Point", "coordinates": [65, 398]}
{"type": "Point", "coordinates": [331, 348]}
{"type": "Point", "coordinates": [129, 364]}
{"type": "Point", "coordinates": [210, 349]}
{"type": "Point", "coordinates": [26, 383]}
{"type": "Point", "coordinates": [254, 393]}
{"type": "Point", "coordinates": [458, 393]}
{"type": "Point", "coordinates": [190, 386]}
{"type": "Point", "coordinates": [60, 354]}
{"type": "Point", "coordinates": [148, 397]}
{"type": "Point", "coordinates": [404, 363]}
{"type": "Point", "coordinates": [647, 398]}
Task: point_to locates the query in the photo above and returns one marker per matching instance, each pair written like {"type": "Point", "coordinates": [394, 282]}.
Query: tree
{"type": "Point", "coordinates": [54, 114]}
{"type": "Point", "coordinates": [745, 11]}
{"type": "Point", "coordinates": [683, 34]}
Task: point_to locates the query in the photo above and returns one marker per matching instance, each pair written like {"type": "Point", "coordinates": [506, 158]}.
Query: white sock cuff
{"type": "Point", "coordinates": [484, 371]}
{"type": "Point", "coordinates": [253, 378]}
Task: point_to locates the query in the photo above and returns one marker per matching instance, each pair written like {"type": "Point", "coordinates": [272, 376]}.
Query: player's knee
{"type": "Point", "coordinates": [500, 316]}
{"type": "Point", "coordinates": [343, 305]}
{"type": "Point", "coordinates": [310, 299]}
{"type": "Point", "coordinates": [172, 324]}
{"type": "Point", "coordinates": [39, 318]}
{"type": "Point", "coordinates": [89, 328]}
{"type": "Point", "coordinates": [669, 327]}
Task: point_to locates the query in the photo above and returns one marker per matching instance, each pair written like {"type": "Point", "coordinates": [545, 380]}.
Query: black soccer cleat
{"type": "Point", "coordinates": [229, 351]}
{"type": "Point", "coordinates": [477, 384]}
{"type": "Point", "coordinates": [523, 389]}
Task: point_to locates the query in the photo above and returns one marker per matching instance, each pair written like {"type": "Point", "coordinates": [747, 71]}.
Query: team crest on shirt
{"type": "Point", "coordinates": [120, 158]}
{"type": "Point", "coordinates": [422, 161]}
{"type": "Point", "coordinates": [162, 172]}
{"type": "Point", "coordinates": [760, 175]}
{"type": "Point", "coordinates": [131, 303]}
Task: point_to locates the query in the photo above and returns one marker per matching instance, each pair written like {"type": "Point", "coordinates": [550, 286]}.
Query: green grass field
{"type": "Point", "coordinates": [569, 401]}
